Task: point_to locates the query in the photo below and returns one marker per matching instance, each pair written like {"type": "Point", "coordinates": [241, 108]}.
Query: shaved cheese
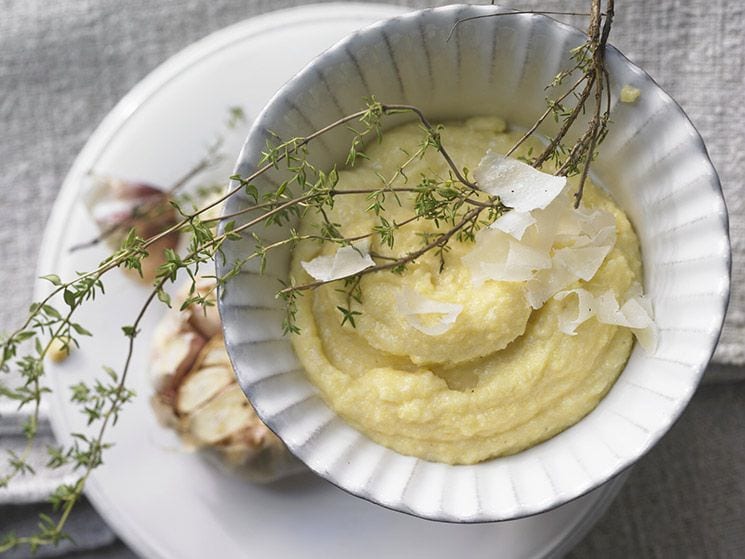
{"type": "Point", "coordinates": [543, 241]}
{"type": "Point", "coordinates": [550, 245]}
{"type": "Point", "coordinates": [631, 315]}
{"type": "Point", "coordinates": [347, 261]}
{"type": "Point", "coordinates": [583, 263]}
{"type": "Point", "coordinates": [570, 320]}
{"type": "Point", "coordinates": [578, 222]}
{"type": "Point", "coordinates": [634, 314]}
{"type": "Point", "coordinates": [546, 283]}
{"type": "Point", "coordinates": [414, 307]}
{"type": "Point", "coordinates": [590, 237]}
{"type": "Point", "coordinates": [499, 257]}
{"type": "Point", "coordinates": [608, 310]}
{"type": "Point", "coordinates": [594, 222]}
{"type": "Point", "coordinates": [547, 222]}
{"type": "Point", "coordinates": [525, 255]}
{"type": "Point", "coordinates": [635, 292]}
{"type": "Point", "coordinates": [514, 223]}
{"type": "Point", "coordinates": [517, 184]}
{"type": "Point", "coordinates": [489, 253]}
{"type": "Point", "coordinates": [525, 259]}
{"type": "Point", "coordinates": [647, 337]}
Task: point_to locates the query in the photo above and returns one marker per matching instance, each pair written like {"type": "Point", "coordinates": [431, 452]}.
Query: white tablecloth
{"type": "Point", "coordinates": [64, 64]}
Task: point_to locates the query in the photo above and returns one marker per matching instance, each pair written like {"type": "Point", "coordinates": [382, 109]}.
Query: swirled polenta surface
{"type": "Point", "coordinates": [503, 377]}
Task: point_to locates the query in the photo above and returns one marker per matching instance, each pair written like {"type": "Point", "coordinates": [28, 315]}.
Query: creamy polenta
{"type": "Point", "coordinates": [502, 377]}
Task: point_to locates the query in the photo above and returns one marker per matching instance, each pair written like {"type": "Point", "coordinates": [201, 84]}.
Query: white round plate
{"type": "Point", "coordinates": [167, 503]}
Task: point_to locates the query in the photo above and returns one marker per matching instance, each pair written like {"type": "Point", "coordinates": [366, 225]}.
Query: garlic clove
{"type": "Point", "coordinates": [174, 353]}
{"type": "Point", "coordinates": [203, 403]}
{"type": "Point", "coordinates": [60, 349]}
{"type": "Point", "coordinates": [225, 414]}
{"type": "Point", "coordinates": [200, 385]}
{"type": "Point", "coordinates": [205, 319]}
{"type": "Point", "coordinates": [215, 353]}
{"type": "Point", "coordinates": [236, 454]}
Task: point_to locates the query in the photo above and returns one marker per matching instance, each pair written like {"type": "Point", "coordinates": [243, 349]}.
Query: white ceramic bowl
{"type": "Point", "coordinates": [654, 164]}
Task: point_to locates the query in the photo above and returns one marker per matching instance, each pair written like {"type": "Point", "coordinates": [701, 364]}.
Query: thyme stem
{"type": "Point", "coordinates": [440, 241]}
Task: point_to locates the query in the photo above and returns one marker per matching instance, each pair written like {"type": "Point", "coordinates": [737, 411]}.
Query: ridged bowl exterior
{"type": "Point", "coordinates": [654, 164]}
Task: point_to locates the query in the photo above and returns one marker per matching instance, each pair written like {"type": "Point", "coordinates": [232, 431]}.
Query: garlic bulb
{"type": "Point", "coordinates": [118, 206]}
{"type": "Point", "coordinates": [198, 396]}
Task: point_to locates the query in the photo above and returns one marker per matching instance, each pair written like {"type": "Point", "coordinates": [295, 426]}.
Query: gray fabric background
{"type": "Point", "coordinates": [64, 64]}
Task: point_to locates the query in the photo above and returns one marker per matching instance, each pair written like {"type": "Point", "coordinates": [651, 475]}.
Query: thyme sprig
{"type": "Point", "coordinates": [589, 60]}
{"type": "Point", "coordinates": [452, 203]}
{"type": "Point", "coordinates": [103, 402]}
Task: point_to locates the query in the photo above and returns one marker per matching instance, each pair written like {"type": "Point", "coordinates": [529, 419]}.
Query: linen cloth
{"type": "Point", "coordinates": [65, 64]}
